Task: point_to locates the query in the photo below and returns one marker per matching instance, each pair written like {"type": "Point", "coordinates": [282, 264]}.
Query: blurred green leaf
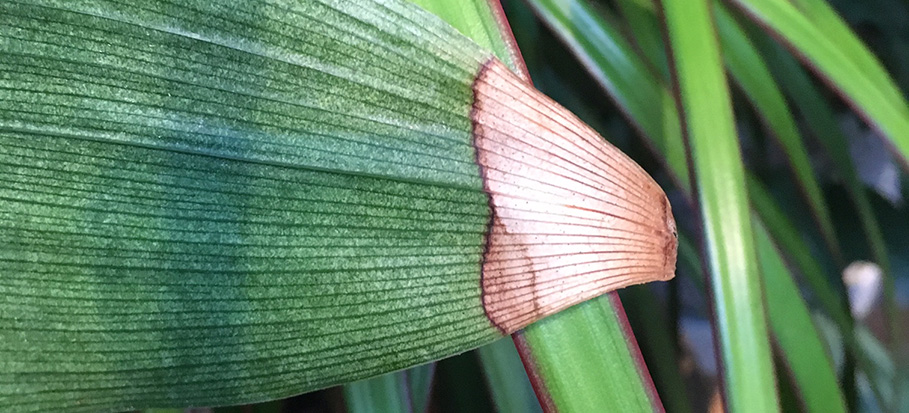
{"type": "Point", "coordinates": [386, 393]}
{"type": "Point", "coordinates": [823, 40]}
{"type": "Point", "coordinates": [400, 391]}
{"type": "Point", "coordinates": [713, 144]}
{"type": "Point", "coordinates": [786, 235]}
{"type": "Point", "coordinates": [511, 389]}
{"type": "Point", "coordinates": [794, 332]}
{"type": "Point", "coordinates": [821, 121]}
{"type": "Point", "coordinates": [748, 69]}
{"type": "Point", "coordinates": [641, 16]}
{"type": "Point", "coordinates": [419, 382]}
{"type": "Point", "coordinates": [784, 232]}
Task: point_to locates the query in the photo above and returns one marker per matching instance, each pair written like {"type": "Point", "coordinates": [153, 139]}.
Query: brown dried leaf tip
{"type": "Point", "coordinates": [572, 216]}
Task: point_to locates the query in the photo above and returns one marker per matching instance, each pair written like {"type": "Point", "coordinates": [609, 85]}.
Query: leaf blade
{"type": "Point", "coordinates": [577, 382]}
{"type": "Point", "coordinates": [836, 54]}
{"type": "Point", "coordinates": [794, 331]}
{"type": "Point", "coordinates": [181, 206]}
{"type": "Point", "coordinates": [750, 71]}
{"type": "Point", "coordinates": [511, 389]}
{"type": "Point", "coordinates": [728, 241]}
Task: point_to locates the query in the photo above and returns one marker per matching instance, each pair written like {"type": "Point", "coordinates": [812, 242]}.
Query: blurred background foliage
{"type": "Point", "coordinates": [826, 181]}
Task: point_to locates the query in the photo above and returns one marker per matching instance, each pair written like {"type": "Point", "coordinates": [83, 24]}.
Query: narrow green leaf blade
{"type": "Point", "coordinates": [511, 389]}
{"type": "Point", "coordinates": [710, 132]}
{"type": "Point", "coordinates": [748, 69]}
{"type": "Point", "coordinates": [823, 41]}
{"type": "Point", "coordinates": [797, 252]}
{"type": "Point", "coordinates": [386, 393]}
{"type": "Point", "coordinates": [641, 16]}
{"type": "Point", "coordinates": [575, 380]}
{"type": "Point", "coordinates": [786, 234]}
{"type": "Point", "coordinates": [794, 331]}
{"type": "Point", "coordinates": [821, 121]}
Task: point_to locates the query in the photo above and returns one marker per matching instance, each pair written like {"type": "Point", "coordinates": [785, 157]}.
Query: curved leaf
{"type": "Point", "coordinates": [218, 213]}
{"type": "Point", "coordinates": [823, 40]}
{"type": "Point", "coordinates": [215, 203]}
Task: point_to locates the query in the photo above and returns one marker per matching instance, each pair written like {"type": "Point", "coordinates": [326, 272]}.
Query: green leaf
{"type": "Point", "coordinates": [386, 393]}
{"type": "Point", "coordinates": [821, 121]}
{"type": "Point", "coordinates": [511, 389]}
{"type": "Point", "coordinates": [214, 203]}
{"type": "Point", "coordinates": [823, 40]}
{"type": "Point", "coordinates": [576, 380]}
{"type": "Point", "coordinates": [794, 331]}
{"type": "Point", "coordinates": [209, 206]}
{"type": "Point", "coordinates": [644, 25]}
{"type": "Point", "coordinates": [748, 69]}
{"type": "Point", "coordinates": [800, 256]}
{"type": "Point", "coordinates": [786, 234]}
{"type": "Point", "coordinates": [710, 132]}
{"type": "Point", "coordinates": [401, 391]}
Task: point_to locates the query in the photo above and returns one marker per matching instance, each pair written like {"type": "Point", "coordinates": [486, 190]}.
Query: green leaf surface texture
{"type": "Point", "coordinates": [215, 202]}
